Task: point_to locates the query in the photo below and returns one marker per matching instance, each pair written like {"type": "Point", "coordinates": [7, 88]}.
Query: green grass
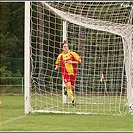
{"type": "Point", "coordinates": [14, 119]}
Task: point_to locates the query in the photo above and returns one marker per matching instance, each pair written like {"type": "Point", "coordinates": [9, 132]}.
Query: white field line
{"type": "Point", "coordinates": [13, 119]}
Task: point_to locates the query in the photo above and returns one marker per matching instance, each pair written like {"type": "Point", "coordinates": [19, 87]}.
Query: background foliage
{"type": "Point", "coordinates": [12, 38]}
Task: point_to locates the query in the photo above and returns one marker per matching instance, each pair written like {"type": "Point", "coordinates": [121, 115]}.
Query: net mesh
{"type": "Point", "coordinates": [100, 32]}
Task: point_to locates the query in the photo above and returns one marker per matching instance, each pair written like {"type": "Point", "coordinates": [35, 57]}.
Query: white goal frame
{"type": "Point", "coordinates": [27, 59]}
{"type": "Point", "coordinates": [74, 19]}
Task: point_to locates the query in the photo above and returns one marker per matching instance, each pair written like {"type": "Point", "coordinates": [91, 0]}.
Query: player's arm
{"type": "Point", "coordinates": [56, 67]}
{"type": "Point", "coordinates": [77, 58]}
{"type": "Point", "coordinates": [57, 63]}
{"type": "Point", "coordinates": [73, 62]}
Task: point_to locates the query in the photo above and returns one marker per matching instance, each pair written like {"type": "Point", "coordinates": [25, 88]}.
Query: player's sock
{"type": "Point", "coordinates": [70, 95]}
{"type": "Point", "coordinates": [72, 87]}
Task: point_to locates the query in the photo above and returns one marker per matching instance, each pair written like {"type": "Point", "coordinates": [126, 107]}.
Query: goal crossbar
{"type": "Point", "coordinates": [123, 30]}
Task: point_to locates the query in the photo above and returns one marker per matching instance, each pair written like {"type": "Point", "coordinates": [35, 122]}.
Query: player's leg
{"type": "Point", "coordinates": [65, 89]}
{"type": "Point", "coordinates": [73, 80]}
{"type": "Point", "coordinates": [73, 101]}
{"type": "Point", "coordinates": [69, 91]}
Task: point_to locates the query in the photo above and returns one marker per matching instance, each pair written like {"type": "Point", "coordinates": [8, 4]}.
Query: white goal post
{"type": "Point", "coordinates": [102, 34]}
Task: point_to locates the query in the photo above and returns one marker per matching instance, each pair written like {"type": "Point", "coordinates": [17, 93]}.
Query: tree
{"type": "Point", "coordinates": [12, 34]}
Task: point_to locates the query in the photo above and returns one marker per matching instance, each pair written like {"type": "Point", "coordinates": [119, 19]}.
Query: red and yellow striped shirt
{"type": "Point", "coordinates": [66, 67]}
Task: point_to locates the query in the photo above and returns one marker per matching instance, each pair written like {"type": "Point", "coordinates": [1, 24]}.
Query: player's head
{"type": "Point", "coordinates": [64, 46]}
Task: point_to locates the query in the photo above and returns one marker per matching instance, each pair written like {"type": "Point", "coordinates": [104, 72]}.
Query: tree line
{"type": "Point", "coordinates": [12, 39]}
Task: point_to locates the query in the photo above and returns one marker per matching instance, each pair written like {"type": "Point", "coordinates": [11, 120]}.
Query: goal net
{"type": "Point", "coordinates": [101, 33]}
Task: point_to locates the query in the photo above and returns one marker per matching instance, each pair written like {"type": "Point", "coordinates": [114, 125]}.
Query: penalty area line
{"type": "Point", "coordinates": [13, 119]}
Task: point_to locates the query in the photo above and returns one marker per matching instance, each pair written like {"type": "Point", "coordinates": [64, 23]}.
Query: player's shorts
{"type": "Point", "coordinates": [69, 79]}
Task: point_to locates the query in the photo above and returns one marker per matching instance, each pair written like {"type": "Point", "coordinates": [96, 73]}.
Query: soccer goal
{"type": "Point", "coordinates": [101, 33]}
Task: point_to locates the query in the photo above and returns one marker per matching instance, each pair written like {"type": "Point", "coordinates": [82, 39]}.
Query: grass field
{"type": "Point", "coordinates": [14, 119]}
